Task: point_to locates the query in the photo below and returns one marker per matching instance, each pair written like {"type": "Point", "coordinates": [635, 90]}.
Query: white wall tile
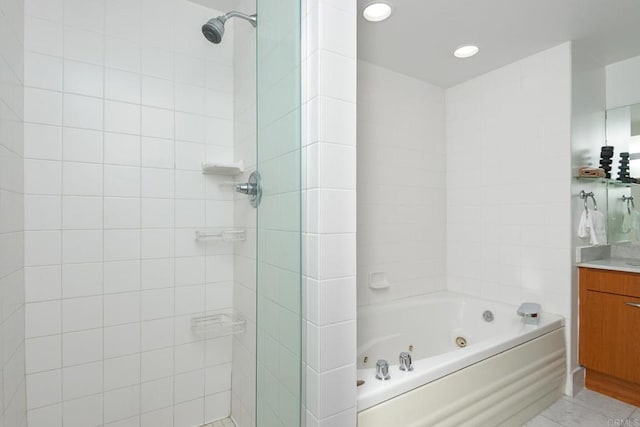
{"type": "Point", "coordinates": [121, 372]}
{"type": "Point", "coordinates": [122, 276]}
{"type": "Point", "coordinates": [122, 86]}
{"type": "Point", "coordinates": [157, 122]}
{"type": "Point", "coordinates": [35, 206]}
{"type": "Point", "coordinates": [43, 318]}
{"type": "Point", "coordinates": [42, 141]}
{"type": "Point", "coordinates": [43, 36]}
{"type": "Point", "coordinates": [121, 181]}
{"type": "Point", "coordinates": [122, 149]}
{"type": "Point", "coordinates": [42, 106]}
{"type": "Point", "coordinates": [43, 71]}
{"type": "Point", "coordinates": [121, 308]}
{"type": "Point", "coordinates": [80, 280]}
{"type": "Point", "coordinates": [43, 354]}
{"type": "Point", "coordinates": [82, 380]}
{"type": "Point", "coordinates": [84, 46]}
{"type": "Point", "coordinates": [122, 117]}
{"type": "Point", "coordinates": [81, 212]}
{"type": "Point", "coordinates": [82, 145]}
{"type": "Point", "coordinates": [157, 153]}
{"type": "Point", "coordinates": [82, 313]}
{"type": "Point", "coordinates": [82, 347]}
{"type": "Point", "coordinates": [121, 340]}
{"type": "Point", "coordinates": [83, 79]}
{"type": "Point", "coordinates": [82, 179]}
{"type": "Point", "coordinates": [121, 245]}
{"type": "Point", "coordinates": [46, 388]}
{"type": "Point", "coordinates": [83, 412]}
{"type": "Point", "coordinates": [121, 212]}
{"type": "Point", "coordinates": [122, 54]}
{"type": "Point", "coordinates": [48, 416]}
{"type": "Point", "coordinates": [83, 112]}
{"type": "Point", "coordinates": [42, 283]}
{"type": "Point", "coordinates": [42, 248]}
{"type": "Point", "coordinates": [82, 246]}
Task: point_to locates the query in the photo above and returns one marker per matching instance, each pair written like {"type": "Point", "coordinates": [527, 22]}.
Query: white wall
{"type": "Point", "coordinates": [329, 211]}
{"type": "Point", "coordinates": [12, 350]}
{"type": "Point", "coordinates": [124, 99]}
{"type": "Point", "coordinates": [508, 183]}
{"type": "Point", "coordinates": [623, 84]}
{"type": "Point", "coordinates": [401, 184]}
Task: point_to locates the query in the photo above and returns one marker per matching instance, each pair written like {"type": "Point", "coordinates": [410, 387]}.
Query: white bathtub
{"type": "Point", "coordinates": [428, 327]}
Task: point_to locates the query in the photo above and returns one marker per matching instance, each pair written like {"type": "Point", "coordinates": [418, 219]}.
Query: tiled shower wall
{"type": "Point", "coordinates": [123, 100]}
{"type": "Point", "coordinates": [401, 185]}
{"type": "Point", "coordinates": [12, 384]}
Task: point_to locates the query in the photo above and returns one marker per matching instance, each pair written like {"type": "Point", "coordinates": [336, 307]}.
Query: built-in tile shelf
{"type": "Point", "coordinates": [218, 324]}
{"type": "Point", "coordinates": [217, 234]}
{"type": "Point", "coordinates": [223, 168]}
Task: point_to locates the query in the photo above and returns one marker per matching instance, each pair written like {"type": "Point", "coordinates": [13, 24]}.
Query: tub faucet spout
{"type": "Point", "coordinates": [382, 370]}
{"type": "Point", "coordinates": [405, 362]}
{"type": "Point", "coordinates": [530, 311]}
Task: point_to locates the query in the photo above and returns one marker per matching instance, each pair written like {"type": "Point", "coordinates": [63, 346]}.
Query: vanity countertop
{"type": "Point", "coordinates": [616, 264]}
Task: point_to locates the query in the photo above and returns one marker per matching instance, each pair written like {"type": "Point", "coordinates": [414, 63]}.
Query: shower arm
{"type": "Point", "coordinates": [253, 19]}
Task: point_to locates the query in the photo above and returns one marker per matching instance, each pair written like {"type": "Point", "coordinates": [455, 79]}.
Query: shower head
{"type": "Point", "coordinates": [213, 30]}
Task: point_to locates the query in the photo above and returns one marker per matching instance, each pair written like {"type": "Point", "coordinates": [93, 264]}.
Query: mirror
{"type": "Point", "coordinates": [623, 199]}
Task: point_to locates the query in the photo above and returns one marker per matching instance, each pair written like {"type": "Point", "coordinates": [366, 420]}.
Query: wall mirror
{"type": "Point", "coordinates": [623, 199]}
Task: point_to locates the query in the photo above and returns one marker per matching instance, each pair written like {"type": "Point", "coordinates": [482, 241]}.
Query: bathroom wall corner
{"type": "Point", "coordinates": [329, 228]}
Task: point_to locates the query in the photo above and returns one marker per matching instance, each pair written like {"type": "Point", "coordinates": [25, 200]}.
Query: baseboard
{"type": "Point", "coordinates": [613, 387]}
{"type": "Point", "coordinates": [577, 380]}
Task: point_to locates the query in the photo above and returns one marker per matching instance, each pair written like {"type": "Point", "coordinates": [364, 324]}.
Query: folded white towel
{"type": "Point", "coordinates": [593, 225]}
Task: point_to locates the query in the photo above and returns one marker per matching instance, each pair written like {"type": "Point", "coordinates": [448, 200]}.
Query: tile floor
{"type": "Point", "coordinates": [227, 422]}
{"type": "Point", "coordinates": [588, 409]}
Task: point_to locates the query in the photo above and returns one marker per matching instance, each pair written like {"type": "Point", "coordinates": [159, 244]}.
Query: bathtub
{"type": "Point", "coordinates": [467, 370]}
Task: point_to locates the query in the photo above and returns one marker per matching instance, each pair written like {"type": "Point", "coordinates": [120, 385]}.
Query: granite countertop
{"type": "Point", "coordinates": [629, 265]}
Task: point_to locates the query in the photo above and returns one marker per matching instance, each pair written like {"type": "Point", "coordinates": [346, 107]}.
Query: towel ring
{"type": "Point", "coordinates": [585, 196]}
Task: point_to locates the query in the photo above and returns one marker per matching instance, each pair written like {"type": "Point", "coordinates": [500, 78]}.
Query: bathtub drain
{"type": "Point", "coordinates": [461, 342]}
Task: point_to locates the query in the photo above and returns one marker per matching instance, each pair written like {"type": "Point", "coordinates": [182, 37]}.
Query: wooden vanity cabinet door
{"type": "Point", "coordinates": [611, 340]}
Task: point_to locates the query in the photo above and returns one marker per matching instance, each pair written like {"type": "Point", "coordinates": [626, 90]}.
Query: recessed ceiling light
{"type": "Point", "coordinates": [376, 12]}
{"type": "Point", "coordinates": [466, 51]}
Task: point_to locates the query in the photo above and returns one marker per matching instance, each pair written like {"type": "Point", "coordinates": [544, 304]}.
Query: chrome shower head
{"type": "Point", "coordinates": [213, 30]}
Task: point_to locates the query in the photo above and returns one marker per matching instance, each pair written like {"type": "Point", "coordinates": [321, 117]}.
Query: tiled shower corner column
{"type": "Point", "coordinates": [329, 210]}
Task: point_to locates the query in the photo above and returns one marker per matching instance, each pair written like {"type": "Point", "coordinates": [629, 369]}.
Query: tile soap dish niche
{"type": "Point", "coordinates": [223, 168]}
{"type": "Point", "coordinates": [218, 324]}
{"type": "Point", "coordinates": [378, 280]}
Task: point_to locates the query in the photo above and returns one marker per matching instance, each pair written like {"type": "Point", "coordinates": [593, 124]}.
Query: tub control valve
{"type": "Point", "coordinates": [405, 362]}
{"type": "Point", "coordinates": [382, 370]}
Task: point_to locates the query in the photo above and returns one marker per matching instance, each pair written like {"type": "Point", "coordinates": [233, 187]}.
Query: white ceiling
{"type": "Point", "coordinates": [420, 36]}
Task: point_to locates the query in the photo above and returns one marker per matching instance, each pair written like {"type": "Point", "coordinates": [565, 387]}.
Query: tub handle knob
{"type": "Point", "coordinates": [382, 370]}
{"type": "Point", "coordinates": [405, 362]}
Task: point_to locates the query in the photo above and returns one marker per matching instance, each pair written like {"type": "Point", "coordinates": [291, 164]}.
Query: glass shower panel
{"type": "Point", "coordinates": [279, 311]}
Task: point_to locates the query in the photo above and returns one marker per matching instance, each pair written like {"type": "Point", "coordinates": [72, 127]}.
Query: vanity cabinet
{"type": "Point", "coordinates": [610, 332]}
